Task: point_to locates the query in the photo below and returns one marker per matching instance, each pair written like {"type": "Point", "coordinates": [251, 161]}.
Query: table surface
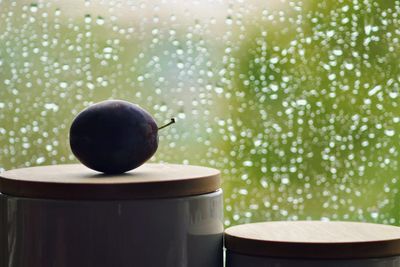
{"type": "Point", "coordinates": [314, 239]}
{"type": "Point", "coordinates": [75, 181]}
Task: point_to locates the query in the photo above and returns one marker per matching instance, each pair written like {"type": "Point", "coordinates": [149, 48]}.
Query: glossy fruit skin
{"type": "Point", "coordinates": [113, 136]}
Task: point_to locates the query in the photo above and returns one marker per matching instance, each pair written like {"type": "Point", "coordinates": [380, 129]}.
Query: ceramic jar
{"type": "Point", "coordinates": [67, 215]}
{"type": "Point", "coordinates": [312, 244]}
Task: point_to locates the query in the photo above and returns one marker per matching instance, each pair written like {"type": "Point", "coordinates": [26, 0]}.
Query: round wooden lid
{"type": "Point", "coordinates": [75, 181]}
{"type": "Point", "coordinates": [314, 240]}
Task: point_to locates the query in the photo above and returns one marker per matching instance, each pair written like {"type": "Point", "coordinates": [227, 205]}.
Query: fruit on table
{"type": "Point", "coordinates": [114, 136]}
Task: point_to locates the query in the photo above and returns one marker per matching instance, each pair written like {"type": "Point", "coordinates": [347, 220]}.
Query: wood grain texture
{"type": "Point", "coordinates": [314, 240]}
{"type": "Point", "coordinates": [75, 181]}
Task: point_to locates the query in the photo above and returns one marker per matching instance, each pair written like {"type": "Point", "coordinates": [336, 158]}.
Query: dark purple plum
{"type": "Point", "coordinates": [114, 136]}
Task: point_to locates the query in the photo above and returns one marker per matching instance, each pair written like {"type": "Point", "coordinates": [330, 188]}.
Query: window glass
{"type": "Point", "coordinates": [296, 102]}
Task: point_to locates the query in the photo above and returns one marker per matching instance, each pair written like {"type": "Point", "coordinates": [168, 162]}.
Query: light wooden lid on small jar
{"type": "Point", "coordinates": [75, 181]}
{"type": "Point", "coordinates": [314, 240]}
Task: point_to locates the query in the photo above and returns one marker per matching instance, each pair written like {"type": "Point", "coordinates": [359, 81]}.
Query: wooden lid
{"type": "Point", "coordinates": [75, 181]}
{"type": "Point", "coordinates": [314, 240]}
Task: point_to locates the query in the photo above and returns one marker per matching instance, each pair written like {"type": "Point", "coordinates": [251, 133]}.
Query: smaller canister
{"type": "Point", "coordinates": [312, 244]}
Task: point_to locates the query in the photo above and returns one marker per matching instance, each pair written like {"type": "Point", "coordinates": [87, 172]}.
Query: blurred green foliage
{"type": "Point", "coordinates": [297, 104]}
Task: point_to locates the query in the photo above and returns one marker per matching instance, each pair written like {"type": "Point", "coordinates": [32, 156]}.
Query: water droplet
{"type": "Point", "coordinates": [337, 52]}
{"type": "Point", "coordinates": [40, 160]}
{"type": "Point", "coordinates": [367, 29]}
{"type": "Point", "coordinates": [229, 20]}
{"type": "Point", "coordinates": [100, 20]}
{"type": "Point", "coordinates": [247, 163]}
{"type": "Point", "coordinates": [88, 18]}
{"type": "Point", "coordinates": [34, 7]}
{"type": "Point", "coordinates": [301, 102]}
{"type": "Point", "coordinates": [389, 132]}
{"type": "Point", "coordinates": [107, 49]}
{"type": "Point", "coordinates": [349, 66]}
{"type": "Point", "coordinates": [374, 90]}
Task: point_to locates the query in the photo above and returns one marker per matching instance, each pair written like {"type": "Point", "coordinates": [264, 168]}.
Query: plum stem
{"type": "Point", "coordinates": [168, 124]}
